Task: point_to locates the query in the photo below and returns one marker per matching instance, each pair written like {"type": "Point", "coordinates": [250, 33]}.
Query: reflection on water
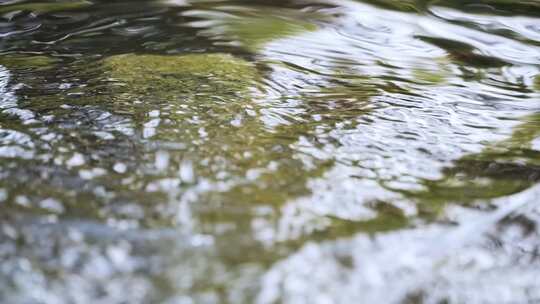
{"type": "Point", "coordinates": [259, 151]}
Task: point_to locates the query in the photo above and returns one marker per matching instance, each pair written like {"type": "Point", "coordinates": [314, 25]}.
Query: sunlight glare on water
{"type": "Point", "coordinates": [269, 152]}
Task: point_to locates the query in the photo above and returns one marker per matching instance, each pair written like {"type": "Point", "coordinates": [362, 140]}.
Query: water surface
{"type": "Point", "coordinates": [269, 151]}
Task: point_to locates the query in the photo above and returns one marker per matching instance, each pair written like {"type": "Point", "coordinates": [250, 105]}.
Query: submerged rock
{"type": "Point", "coordinates": [207, 103]}
{"type": "Point", "coordinates": [186, 99]}
{"type": "Point", "coordinates": [162, 74]}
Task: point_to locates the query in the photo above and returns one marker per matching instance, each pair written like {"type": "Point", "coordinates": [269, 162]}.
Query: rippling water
{"type": "Point", "coordinates": [284, 151]}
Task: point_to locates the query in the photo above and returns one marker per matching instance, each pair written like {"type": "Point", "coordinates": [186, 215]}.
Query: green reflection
{"type": "Point", "coordinates": [254, 32]}
{"type": "Point", "coordinates": [254, 28]}
{"type": "Point", "coordinates": [501, 169]}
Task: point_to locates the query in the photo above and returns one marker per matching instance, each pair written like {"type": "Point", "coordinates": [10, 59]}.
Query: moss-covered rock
{"type": "Point", "coordinates": [212, 87]}
{"type": "Point", "coordinates": [160, 73]}
{"type": "Point", "coordinates": [227, 133]}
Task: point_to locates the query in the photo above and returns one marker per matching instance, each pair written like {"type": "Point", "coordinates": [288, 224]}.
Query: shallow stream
{"type": "Point", "coordinates": [292, 151]}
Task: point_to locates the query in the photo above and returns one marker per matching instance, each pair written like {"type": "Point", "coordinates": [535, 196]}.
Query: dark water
{"type": "Point", "coordinates": [183, 151]}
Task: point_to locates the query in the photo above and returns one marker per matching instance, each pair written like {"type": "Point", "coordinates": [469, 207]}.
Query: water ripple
{"type": "Point", "coordinates": [240, 152]}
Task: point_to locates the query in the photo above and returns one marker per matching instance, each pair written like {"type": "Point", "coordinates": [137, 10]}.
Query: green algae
{"type": "Point", "coordinates": [145, 72]}
{"type": "Point", "coordinates": [215, 87]}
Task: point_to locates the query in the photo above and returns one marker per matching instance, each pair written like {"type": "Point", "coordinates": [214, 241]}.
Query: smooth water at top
{"type": "Point", "coordinates": [292, 151]}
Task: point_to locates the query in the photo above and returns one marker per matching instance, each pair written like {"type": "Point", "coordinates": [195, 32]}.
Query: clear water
{"type": "Point", "coordinates": [179, 151]}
